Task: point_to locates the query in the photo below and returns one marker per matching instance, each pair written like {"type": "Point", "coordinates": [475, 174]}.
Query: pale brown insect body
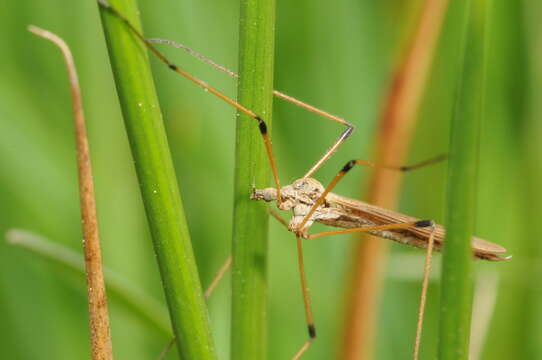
{"type": "Point", "coordinates": [342, 212]}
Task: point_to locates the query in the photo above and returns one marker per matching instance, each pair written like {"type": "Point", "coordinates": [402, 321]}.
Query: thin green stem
{"type": "Point", "coordinates": [134, 299]}
{"type": "Point", "coordinates": [249, 286]}
{"type": "Point", "coordinates": [158, 183]}
{"type": "Point", "coordinates": [456, 296]}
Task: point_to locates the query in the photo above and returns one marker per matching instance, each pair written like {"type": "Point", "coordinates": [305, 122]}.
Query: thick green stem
{"type": "Point", "coordinates": [456, 296]}
{"type": "Point", "coordinates": [158, 183]}
{"type": "Point", "coordinates": [256, 47]}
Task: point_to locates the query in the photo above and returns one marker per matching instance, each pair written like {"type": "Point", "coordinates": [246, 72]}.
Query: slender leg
{"type": "Point", "coordinates": [166, 349]}
{"type": "Point", "coordinates": [304, 286]}
{"type": "Point", "coordinates": [218, 277]}
{"type": "Point", "coordinates": [423, 296]}
{"type": "Point", "coordinates": [306, 301]}
{"type": "Point", "coordinates": [261, 123]}
{"type": "Point", "coordinates": [308, 310]}
{"type": "Point", "coordinates": [195, 54]}
{"type": "Point", "coordinates": [420, 223]}
{"type": "Point", "coordinates": [329, 152]}
{"type": "Point", "coordinates": [279, 218]}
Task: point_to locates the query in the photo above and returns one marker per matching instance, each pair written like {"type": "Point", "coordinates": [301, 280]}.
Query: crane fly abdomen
{"type": "Point", "coordinates": [356, 213]}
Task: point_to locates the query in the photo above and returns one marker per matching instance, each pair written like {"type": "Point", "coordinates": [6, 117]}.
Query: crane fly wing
{"type": "Point", "coordinates": [381, 216]}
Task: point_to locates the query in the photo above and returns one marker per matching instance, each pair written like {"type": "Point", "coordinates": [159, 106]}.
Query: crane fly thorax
{"type": "Point", "coordinates": [303, 192]}
{"type": "Point", "coordinates": [299, 197]}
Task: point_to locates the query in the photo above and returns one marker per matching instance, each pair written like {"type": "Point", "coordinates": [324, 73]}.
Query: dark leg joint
{"type": "Point", "coordinates": [312, 331]}
{"type": "Point", "coordinates": [349, 165]}
{"type": "Point", "coordinates": [262, 125]}
{"type": "Point", "coordinates": [424, 223]}
{"type": "Point", "coordinates": [172, 67]}
{"type": "Point", "coordinates": [348, 132]}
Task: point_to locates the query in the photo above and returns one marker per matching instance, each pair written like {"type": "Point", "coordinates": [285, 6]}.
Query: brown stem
{"type": "Point", "coordinates": [97, 300]}
{"type": "Point", "coordinates": [397, 122]}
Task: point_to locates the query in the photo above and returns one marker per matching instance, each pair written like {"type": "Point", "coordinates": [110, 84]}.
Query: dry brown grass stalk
{"type": "Point", "coordinates": [397, 122]}
{"type": "Point", "coordinates": [100, 337]}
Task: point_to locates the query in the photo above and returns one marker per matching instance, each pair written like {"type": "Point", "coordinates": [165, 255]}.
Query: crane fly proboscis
{"type": "Point", "coordinates": [310, 201]}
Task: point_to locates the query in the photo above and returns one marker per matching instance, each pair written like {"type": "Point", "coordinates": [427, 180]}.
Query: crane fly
{"type": "Point", "coordinates": [311, 202]}
{"type": "Point", "coordinates": [352, 215]}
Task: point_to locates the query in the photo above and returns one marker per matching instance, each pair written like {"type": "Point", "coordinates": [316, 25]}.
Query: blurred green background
{"type": "Point", "coordinates": [336, 55]}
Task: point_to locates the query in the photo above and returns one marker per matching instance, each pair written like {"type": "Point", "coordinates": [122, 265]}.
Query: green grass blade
{"type": "Point", "coordinates": [134, 299]}
{"type": "Point", "coordinates": [456, 296]}
{"type": "Point", "coordinates": [250, 223]}
{"type": "Point", "coordinates": [165, 214]}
